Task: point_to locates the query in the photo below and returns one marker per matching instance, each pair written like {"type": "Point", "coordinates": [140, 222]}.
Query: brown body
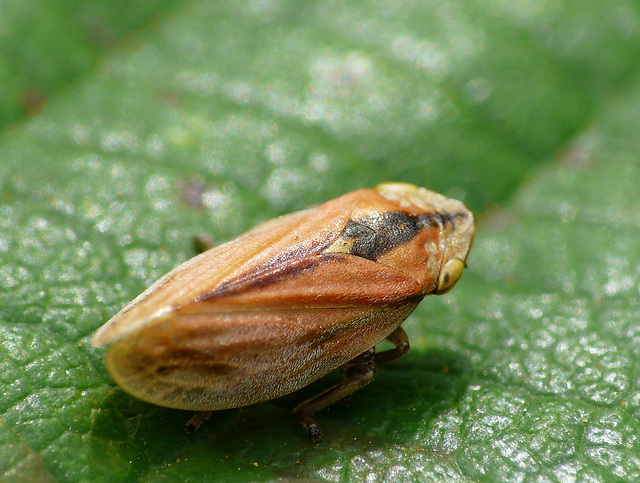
{"type": "Point", "coordinates": [293, 299]}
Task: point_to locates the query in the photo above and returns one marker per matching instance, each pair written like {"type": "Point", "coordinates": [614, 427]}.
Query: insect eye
{"type": "Point", "coordinates": [449, 275]}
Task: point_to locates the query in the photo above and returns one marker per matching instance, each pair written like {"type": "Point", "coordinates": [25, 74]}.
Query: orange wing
{"type": "Point", "coordinates": [252, 344]}
{"type": "Point", "coordinates": [332, 280]}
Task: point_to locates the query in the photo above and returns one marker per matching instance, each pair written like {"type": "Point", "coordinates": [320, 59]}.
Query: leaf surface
{"type": "Point", "coordinates": [229, 113]}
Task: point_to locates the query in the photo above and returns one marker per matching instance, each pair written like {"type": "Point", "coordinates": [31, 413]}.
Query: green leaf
{"type": "Point", "coordinates": [47, 45]}
{"type": "Point", "coordinates": [229, 113]}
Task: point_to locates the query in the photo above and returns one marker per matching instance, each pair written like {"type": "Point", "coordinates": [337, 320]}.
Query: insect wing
{"type": "Point", "coordinates": [207, 357]}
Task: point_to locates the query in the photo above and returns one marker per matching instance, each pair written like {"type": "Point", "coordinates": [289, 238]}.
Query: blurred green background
{"type": "Point", "coordinates": [128, 127]}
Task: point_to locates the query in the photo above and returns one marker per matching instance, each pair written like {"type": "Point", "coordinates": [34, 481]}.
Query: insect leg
{"type": "Point", "coordinates": [196, 420]}
{"type": "Point", "coordinates": [358, 373]}
{"type": "Point", "coordinates": [202, 243]}
{"type": "Point", "coordinates": [399, 339]}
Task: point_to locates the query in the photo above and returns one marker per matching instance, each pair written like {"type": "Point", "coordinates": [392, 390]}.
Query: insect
{"type": "Point", "coordinates": [288, 302]}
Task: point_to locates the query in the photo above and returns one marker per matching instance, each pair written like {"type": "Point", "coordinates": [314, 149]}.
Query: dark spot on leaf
{"type": "Point", "coordinates": [192, 192]}
{"type": "Point", "coordinates": [32, 100]}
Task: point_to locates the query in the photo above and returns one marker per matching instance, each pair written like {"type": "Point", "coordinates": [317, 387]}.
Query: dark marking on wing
{"type": "Point", "coordinates": [378, 233]}
{"type": "Point", "coordinates": [258, 280]}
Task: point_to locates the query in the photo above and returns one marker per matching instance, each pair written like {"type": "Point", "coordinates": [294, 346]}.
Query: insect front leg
{"type": "Point", "coordinates": [358, 373]}
{"type": "Point", "coordinates": [399, 339]}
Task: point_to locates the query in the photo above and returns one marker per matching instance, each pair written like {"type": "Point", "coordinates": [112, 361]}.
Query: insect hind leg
{"type": "Point", "coordinates": [358, 373]}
